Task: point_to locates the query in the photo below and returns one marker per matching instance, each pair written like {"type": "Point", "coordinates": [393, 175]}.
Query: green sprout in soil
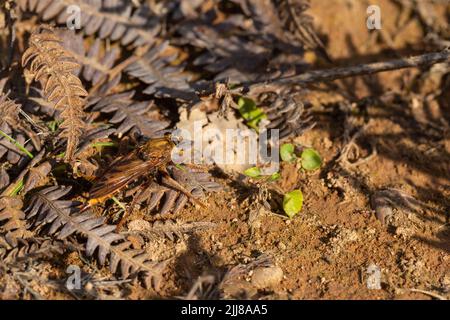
{"type": "Point", "coordinates": [287, 152]}
{"type": "Point", "coordinates": [293, 203]}
{"type": "Point", "coordinates": [250, 112]}
{"type": "Point", "coordinates": [253, 172]}
{"type": "Point", "coordinates": [256, 173]}
{"type": "Point", "coordinates": [309, 159]}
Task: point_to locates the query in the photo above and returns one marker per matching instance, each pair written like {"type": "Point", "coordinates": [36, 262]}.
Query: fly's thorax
{"type": "Point", "coordinates": [158, 150]}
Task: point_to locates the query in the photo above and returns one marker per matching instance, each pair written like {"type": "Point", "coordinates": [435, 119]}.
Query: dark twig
{"type": "Point", "coordinates": [358, 70]}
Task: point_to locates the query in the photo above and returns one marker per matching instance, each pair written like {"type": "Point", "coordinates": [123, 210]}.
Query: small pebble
{"type": "Point", "coordinates": [267, 277]}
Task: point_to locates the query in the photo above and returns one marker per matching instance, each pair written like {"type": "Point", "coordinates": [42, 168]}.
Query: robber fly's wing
{"type": "Point", "coordinates": [122, 172]}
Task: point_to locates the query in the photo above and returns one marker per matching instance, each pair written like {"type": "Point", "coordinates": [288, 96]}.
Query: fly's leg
{"type": "Point", "coordinates": [170, 182]}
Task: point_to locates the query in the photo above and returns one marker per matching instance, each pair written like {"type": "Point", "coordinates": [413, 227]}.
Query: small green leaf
{"type": "Point", "coordinates": [293, 203]}
{"type": "Point", "coordinates": [246, 105]}
{"type": "Point", "coordinates": [275, 176]}
{"type": "Point", "coordinates": [311, 159]}
{"type": "Point", "coordinates": [253, 172]}
{"type": "Point", "coordinates": [287, 152]}
{"type": "Point", "coordinates": [250, 112]}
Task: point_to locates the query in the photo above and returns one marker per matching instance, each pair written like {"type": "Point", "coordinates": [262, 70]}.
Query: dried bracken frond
{"type": "Point", "coordinates": [233, 58]}
{"type": "Point", "coordinates": [4, 178]}
{"type": "Point", "coordinates": [204, 288]}
{"type": "Point", "coordinates": [130, 114]}
{"type": "Point", "coordinates": [285, 114]}
{"type": "Point", "coordinates": [299, 24]}
{"type": "Point", "coordinates": [24, 264]}
{"type": "Point", "coordinates": [64, 218]}
{"type": "Point", "coordinates": [12, 126]}
{"type": "Point", "coordinates": [31, 249]}
{"type": "Point", "coordinates": [96, 62]}
{"type": "Point", "coordinates": [91, 136]}
{"type": "Point", "coordinates": [264, 15]}
{"type": "Point", "coordinates": [30, 176]}
{"type": "Point", "coordinates": [9, 110]}
{"type": "Point", "coordinates": [113, 19]}
{"type": "Point", "coordinates": [282, 31]}
{"type": "Point", "coordinates": [230, 285]}
{"type": "Point", "coordinates": [164, 118]}
{"type": "Point", "coordinates": [51, 65]}
{"type": "Point", "coordinates": [12, 220]}
{"type": "Point", "coordinates": [166, 198]}
{"type": "Point", "coordinates": [163, 77]}
{"type": "Point", "coordinates": [36, 175]}
{"type": "Point", "coordinates": [233, 285]}
{"type": "Point", "coordinates": [384, 201]}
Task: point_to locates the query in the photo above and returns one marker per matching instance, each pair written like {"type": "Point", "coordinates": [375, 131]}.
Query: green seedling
{"type": "Point", "coordinates": [293, 203]}
{"type": "Point", "coordinates": [250, 112]}
{"type": "Point", "coordinates": [275, 176]}
{"type": "Point", "coordinates": [253, 172]}
{"type": "Point", "coordinates": [256, 173]}
{"type": "Point", "coordinates": [310, 159]}
{"type": "Point", "coordinates": [287, 152]}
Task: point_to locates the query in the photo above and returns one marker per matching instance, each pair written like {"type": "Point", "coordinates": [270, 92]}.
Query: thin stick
{"type": "Point", "coordinates": [358, 70]}
{"type": "Point", "coordinates": [429, 293]}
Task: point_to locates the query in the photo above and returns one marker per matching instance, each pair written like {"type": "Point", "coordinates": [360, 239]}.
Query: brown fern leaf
{"type": "Point", "coordinates": [31, 248]}
{"type": "Point", "coordinates": [288, 115]}
{"type": "Point", "coordinates": [54, 68]}
{"type": "Point", "coordinates": [163, 197]}
{"type": "Point", "coordinates": [129, 114]}
{"type": "Point", "coordinates": [11, 125]}
{"type": "Point", "coordinates": [117, 20]}
{"type": "Point", "coordinates": [4, 178]}
{"type": "Point", "coordinates": [63, 218]}
{"type": "Point", "coordinates": [96, 62]}
{"type": "Point", "coordinates": [299, 24]}
{"type": "Point", "coordinates": [13, 217]}
{"type": "Point", "coordinates": [31, 175]}
{"type": "Point", "coordinates": [9, 110]}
